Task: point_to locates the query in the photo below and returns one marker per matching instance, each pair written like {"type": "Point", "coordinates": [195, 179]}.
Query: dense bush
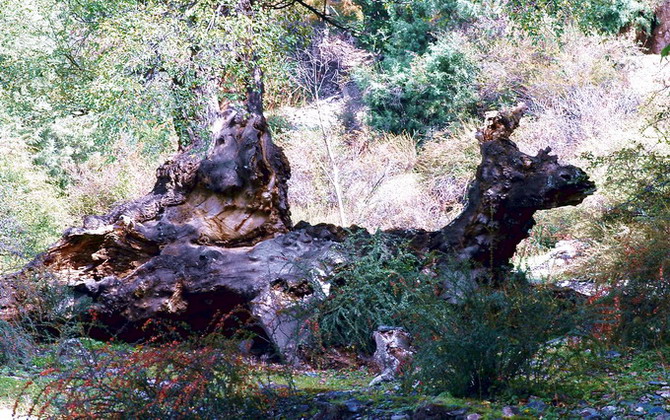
{"type": "Point", "coordinates": [604, 16]}
{"type": "Point", "coordinates": [491, 338]}
{"type": "Point", "coordinates": [381, 286]}
{"type": "Point", "coordinates": [611, 17]}
{"type": "Point", "coordinates": [401, 29]}
{"type": "Point", "coordinates": [478, 346]}
{"type": "Point", "coordinates": [436, 89]}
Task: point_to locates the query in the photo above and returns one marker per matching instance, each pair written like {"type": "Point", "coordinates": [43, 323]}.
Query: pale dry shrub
{"type": "Point", "coordinates": [381, 184]}
{"type": "Point", "coordinates": [587, 95]}
{"type": "Point", "coordinates": [578, 89]}
{"type": "Point", "coordinates": [446, 164]}
{"type": "Point", "coordinates": [387, 192]}
{"type": "Point", "coordinates": [98, 184]}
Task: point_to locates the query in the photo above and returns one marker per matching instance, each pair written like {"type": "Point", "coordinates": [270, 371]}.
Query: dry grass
{"type": "Point", "coordinates": [586, 94]}
{"type": "Point", "coordinates": [98, 184]}
{"type": "Point", "coordinates": [577, 87]}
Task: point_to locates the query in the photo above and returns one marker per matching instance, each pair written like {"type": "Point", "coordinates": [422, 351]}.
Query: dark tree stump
{"type": "Point", "coordinates": [215, 236]}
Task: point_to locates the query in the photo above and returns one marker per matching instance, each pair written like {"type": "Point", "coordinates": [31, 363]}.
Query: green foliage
{"type": "Point", "coordinates": [31, 215]}
{"type": "Point", "coordinates": [401, 29]}
{"type": "Point", "coordinates": [88, 76]}
{"type": "Point", "coordinates": [603, 16]}
{"type": "Point", "coordinates": [633, 264]}
{"type": "Point", "coordinates": [15, 345]}
{"type": "Point", "coordinates": [489, 339]}
{"type": "Point", "coordinates": [612, 16]}
{"type": "Point", "coordinates": [665, 51]}
{"type": "Point", "coordinates": [379, 287]}
{"type": "Point", "coordinates": [435, 90]}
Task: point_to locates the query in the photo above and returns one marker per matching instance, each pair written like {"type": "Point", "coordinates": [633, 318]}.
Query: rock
{"type": "Point", "coordinates": [303, 408]}
{"type": "Point", "coordinates": [658, 383]}
{"type": "Point", "coordinates": [510, 411]}
{"type": "Point", "coordinates": [72, 351]}
{"type": "Point", "coordinates": [536, 405]}
{"type": "Point", "coordinates": [610, 354]}
{"type": "Point", "coordinates": [655, 410]}
{"type": "Point", "coordinates": [432, 411]}
{"type": "Point", "coordinates": [393, 352]}
{"type": "Point", "coordinates": [333, 395]}
{"type": "Point", "coordinates": [609, 410]}
{"type": "Point", "coordinates": [589, 413]}
{"type": "Point", "coordinates": [329, 411]}
{"type": "Point", "coordinates": [354, 406]}
{"type": "Point", "coordinates": [400, 417]}
{"type": "Point", "coordinates": [473, 416]}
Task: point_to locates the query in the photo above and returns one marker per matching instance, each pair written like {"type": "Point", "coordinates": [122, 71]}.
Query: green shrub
{"type": "Point", "coordinates": [613, 16]}
{"type": "Point", "coordinates": [603, 16]}
{"type": "Point", "coordinates": [380, 286]}
{"type": "Point", "coordinates": [478, 346]}
{"type": "Point", "coordinates": [490, 339]}
{"type": "Point", "coordinates": [400, 29]}
{"type": "Point", "coordinates": [435, 90]}
{"type": "Point", "coordinates": [16, 346]}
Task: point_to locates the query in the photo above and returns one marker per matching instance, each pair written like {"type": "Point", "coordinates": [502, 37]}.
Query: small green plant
{"type": "Point", "coordinates": [435, 90]}
{"type": "Point", "coordinates": [492, 337]}
{"type": "Point", "coordinates": [380, 286]}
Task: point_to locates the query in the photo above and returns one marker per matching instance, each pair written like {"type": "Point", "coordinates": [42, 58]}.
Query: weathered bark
{"type": "Point", "coordinates": [393, 353]}
{"type": "Point", "coordinates": [660, 33]}
{"type": "Point", "coordinates": [509, 187]}
{"type": "Point", "coordinates": [215, 236]}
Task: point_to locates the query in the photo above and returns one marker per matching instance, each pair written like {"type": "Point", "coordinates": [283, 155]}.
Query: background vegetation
{"type": "Point", "coordinates": [376, 115]}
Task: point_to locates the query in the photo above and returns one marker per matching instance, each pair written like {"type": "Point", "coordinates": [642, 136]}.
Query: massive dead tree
{"type": "Point", "coordinates": [215, 236]}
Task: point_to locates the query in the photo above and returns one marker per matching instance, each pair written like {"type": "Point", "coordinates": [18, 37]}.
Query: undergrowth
{"type": "Point", "coordinates": [194, 379]}
{"type": "Point", "coordinates": [381, 286]}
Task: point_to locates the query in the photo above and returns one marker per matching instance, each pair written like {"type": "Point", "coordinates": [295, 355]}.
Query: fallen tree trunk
{"type": "Point", "coordinates": [214, 237]}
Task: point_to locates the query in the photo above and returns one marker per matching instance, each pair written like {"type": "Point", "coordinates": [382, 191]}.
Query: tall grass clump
{"type": "Point", "coordinates": [16, 346]}
{"type": "Point", "coordinates": [381, 285]}
{"type": "Point", "coordinates": [492, 338]}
